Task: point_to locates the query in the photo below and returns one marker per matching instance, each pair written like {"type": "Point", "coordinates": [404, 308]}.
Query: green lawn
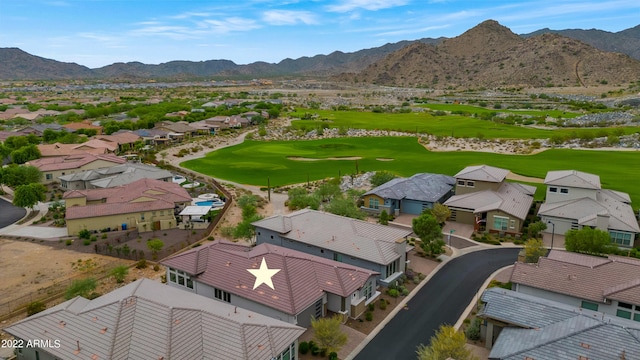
{"type": "Point", "coordinates": [480, 110]}
{"type": "Point", "coordinates": [448, 125]}
{"type": "Point", "coordinates": [252, 162]}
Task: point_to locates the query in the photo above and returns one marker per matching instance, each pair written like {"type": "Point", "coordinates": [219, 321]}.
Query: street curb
{"type": "Point", "coordinates": [472, 304]}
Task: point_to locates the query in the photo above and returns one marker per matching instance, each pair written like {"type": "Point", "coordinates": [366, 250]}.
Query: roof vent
{"type": "Point", "coordinates": [586, 346]}
{"type": "Point", "coordinates": [103, 330]}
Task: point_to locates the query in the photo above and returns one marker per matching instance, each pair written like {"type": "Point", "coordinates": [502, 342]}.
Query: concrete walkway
{"type": "Point", "coordinates": [39, 232]}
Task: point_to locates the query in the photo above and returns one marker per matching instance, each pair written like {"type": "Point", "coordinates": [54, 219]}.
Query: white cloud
{"type": "Point", "coordinates": [190, 14]}
{"type": "Point", "coordinates": [372, 5]}
{"type": "Point", "coordinates": [288, 17]}
{"type": "Point", "coordinates": [412, 30]}
{"type": "Point", "coordinates": [232, 24]}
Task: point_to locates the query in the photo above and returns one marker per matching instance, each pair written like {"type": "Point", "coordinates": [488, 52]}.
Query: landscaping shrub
{"type": "Point", "coordinates": [368, 316]}
{"type": "Point", "coordinates": [141, 264]}
{"type": "Point", "coordinates": [35, 307]}
{"type": "Point", "coordinates": [393, 292]}
{"type": "Point", "coordinates": [315, 350]}
{"type": "Point", "coordinates": [473, 331]}
{"type": "Point", "coordinates": [303, 347]}
{"type": "Point", "coordinates": [383, 304]}
{"type": "Point", "coordinates": [333, 355]}
{"type": "Point", "coordinates": [86, 242]}
{"type": "Point", "coordinates": [371, 306]}
{"type": "Point", "coordinates": [84, 234]}
{"type": "Point", "coordinates": [68, 242]}
{"type": "Point", "coordinates": [405, 291]}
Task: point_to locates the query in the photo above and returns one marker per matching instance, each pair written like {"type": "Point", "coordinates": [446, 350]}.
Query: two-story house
{"type": "Point", "coordinates": [302, 287]}
{"type": "Point", "coordinates": [608, 285]}
{"type": "Point", "coordinates": [485, 200]}
{"type": "Point", "coordinates": [379, 248]}
{"type": "Point", "coordinates": [575, 199]}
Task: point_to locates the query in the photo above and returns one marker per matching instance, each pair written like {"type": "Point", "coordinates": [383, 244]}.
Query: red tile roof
{"type": "Point", "coordinates": [303, 278]}
{"type": "Point", "coordinates": [142, 195]}
{"type": "Point", "coordinates": [583, 276]}
{"type": "Point", "coordinates": [73, 161]}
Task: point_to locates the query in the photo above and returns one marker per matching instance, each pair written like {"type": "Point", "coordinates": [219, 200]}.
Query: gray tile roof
{"type": "Point", "coordinates": [482, 173]}
{"type": "Point", "coordinates": [360, 239]}
{"type": "Point", "coordinates": [583, 277]}
{"type": "Point", "coordinates": [149, 320]}
{"type": "Point", "coordinates": [118, 175]}
{"type": "Point", "coordinates": [573, 178]}
{"type": "Point", "coordinates": [512, 199]}
{"type": "Point", "coordinates": [545, 329]}
{"type": "Point", "coordinates": [303, 278]}
{"type": "Point", "coordinates": [421, 187]}
{"type": "Point", "coordinates": [585, 211]}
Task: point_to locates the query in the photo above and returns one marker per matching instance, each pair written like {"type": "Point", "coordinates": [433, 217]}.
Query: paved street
{"type": "Point", "coordinates": [441, 301]}
{"type": "Point", "coordinates": [9, 213]}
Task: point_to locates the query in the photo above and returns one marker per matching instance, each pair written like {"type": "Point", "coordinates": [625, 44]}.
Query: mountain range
{"type": "Point", "coordinates": [486, 55]}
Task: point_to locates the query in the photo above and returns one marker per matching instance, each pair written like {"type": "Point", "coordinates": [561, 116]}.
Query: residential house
{"type": "Point", "coordinates": [153, 136]}
{"type": "Point", "coordinates": [575, 199]}
{"type": "Point", "coordinates": [54, 167]}
{"type": "Point", "coordinates": [84, 125]}
{"type": "Point", "coordinates": [149, 320]}
{"type": "Point", "coordinates": [93, 146]}
{"type": "Point", "coordinates": [38, 129]}
{"type": "Point", "coordinates": [609, 285]}
{"type": "Point", "coordinates": [177, 130]}
{"type": "Point", "coordinates": [376, 247]}
{"type": "Point", "coordinates": [113, 176]}
{"type": "Point", "coordinates": [124, 139]}
{"type": "Point", "coordinates": [519, 326]}
{"type": "Point", "coordinates": [409, 195]}
{"type": "Point", "coordinates": [305, 286]}
{"type": "Point", "coordinates": [146, 204]}
{"type": "Point", "coordinates": [484, 199]}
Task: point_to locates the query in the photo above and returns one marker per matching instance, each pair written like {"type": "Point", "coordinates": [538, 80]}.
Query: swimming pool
{"type": "Point", "coordinates": [210, 203]}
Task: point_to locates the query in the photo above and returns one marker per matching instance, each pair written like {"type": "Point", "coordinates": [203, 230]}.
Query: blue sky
{"type": "Point", "coordinates": [100, 32]}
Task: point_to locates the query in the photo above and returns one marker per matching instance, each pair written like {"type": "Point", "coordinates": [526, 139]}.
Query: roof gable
{"type": "Point", "coordinates": [302, 278]}
{"type": "Point", "coordinates": [482, 173]}
{"type": "Point", "coordinates": [573, 178]}
{"type": "Point", "coordinates": [142, 319]}
{"type": "Point", "coordinates": [420, 187]}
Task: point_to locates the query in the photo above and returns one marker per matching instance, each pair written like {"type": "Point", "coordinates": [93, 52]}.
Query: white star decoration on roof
{"type": "Point", "coordinates": [263, 275]}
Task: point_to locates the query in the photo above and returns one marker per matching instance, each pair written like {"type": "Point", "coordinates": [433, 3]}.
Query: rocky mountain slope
{"type": "Point", "coordinates": [490, 55]}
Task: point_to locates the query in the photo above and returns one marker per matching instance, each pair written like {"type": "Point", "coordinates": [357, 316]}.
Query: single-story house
{"type": "Point", "coordinates": [146, 204]}
{"type": "Point", "coordinates": [113, 176]}
{"type": "Point", "coordinates": [410, 195]}
{"type": "Point", "coordinates": [575, 199]}
{"type": "Point", "coordinates": [176, 130]}
{"type": "Point", "coordinates": [93, 146]}
{"type": "Point", "coordinates": [54, 167]}
{"type": "Point", "coordinates": [84, 125]}
{"type": "Point", "coordinates": [519, 326]}
{"type": "Point", "coordinates": [305, 286]}
{"type": "Point", "coordinates": [608, 285]}
{"type": "Point", "coordinates": [149, 320]}
{"type": "Point", "coordinates": [124, 139]}
{"type": "Point", "coordinates": [376, 247]}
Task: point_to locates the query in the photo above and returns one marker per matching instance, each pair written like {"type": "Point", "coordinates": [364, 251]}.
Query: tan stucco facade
{"type": "Point", "coordinates": [471, 186]}
{"type": "Point", "coordinates": [514, 225]}
{"type": "Point", "coordinates": [368, 198]}
{"type": "Point", "coordinates": [143, 221]}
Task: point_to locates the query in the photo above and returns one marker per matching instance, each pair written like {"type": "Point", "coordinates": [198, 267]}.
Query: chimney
{"type": "Point", "coordinates": [602, 221]}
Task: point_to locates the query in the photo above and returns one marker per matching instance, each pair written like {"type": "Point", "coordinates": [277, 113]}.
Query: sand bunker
{"type": "Point", "coordinates": [297, 158]}
{"type": "Point", "coordinates": [385, 159]}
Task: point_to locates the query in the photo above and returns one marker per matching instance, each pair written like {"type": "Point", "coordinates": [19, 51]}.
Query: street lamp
{"type": "Point", "coordinates": [553, 232]}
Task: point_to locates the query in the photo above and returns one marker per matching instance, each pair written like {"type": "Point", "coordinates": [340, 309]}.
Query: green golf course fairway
{"type": "Point", "coordinates": [253, 162]}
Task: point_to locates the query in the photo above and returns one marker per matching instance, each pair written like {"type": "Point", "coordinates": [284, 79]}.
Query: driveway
{"type": "Point", "coordinates": [442, 300]}
{"type": "Point", "coordinates": [9, 214]}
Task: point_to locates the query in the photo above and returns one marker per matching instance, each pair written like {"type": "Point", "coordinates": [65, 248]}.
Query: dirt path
{"type": "Point", "coordinates": [516, 177]}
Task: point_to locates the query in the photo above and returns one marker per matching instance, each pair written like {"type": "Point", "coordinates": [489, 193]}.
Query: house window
{"type": "Point", "coordinates": [461, 182]}
{"type": "Point", "coordinates": [367, 290]}
{"type": "Point", "coordinates": [318, 313]}
{"type": "Point", "coordinates": [564, 191]}
{"type": "Point", "coordinates": [391, 269]}
{"type": "Point", "coordinates": [620, 238]}
{"type": "Point", "coordinates": [553, 189]}
{"type": "Point", "coordinates": [500, 223]}
{"type": "Point", "coordinates": [141, 216]}
{"type": "Point", "coordinates": [374, 203]}
{"type": "Point", "coordinates": [48, 176]}
{"type": "Point", "coordinates": [471, 184]}
{"type": "Point", "coordinates": [623, 314]}
{"type": "Point", "coordinates": [512, 224]}
{"type": "Point", "coordinates": [180, 278]}
{"type": "Point", "coordinates": [589, 305]}
{"type": "Point", "coordinates": [628, 311]}
{"type": "Point", "coordinates": [222, 295]}
{"type": "Point", "coordinates": [337, 257]}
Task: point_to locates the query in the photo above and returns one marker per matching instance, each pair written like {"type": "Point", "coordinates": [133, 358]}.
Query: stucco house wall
{"type": "Point", "coordinates": [49, 177]}
{"type": "Point", "coordinates": [132, 220]}
{"type": "Point", "coordinates": [464, 186]}
{"type": "Point", "coordinates": [572, 193]}
{"type": "Point", "coordinates": [609, 309]}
